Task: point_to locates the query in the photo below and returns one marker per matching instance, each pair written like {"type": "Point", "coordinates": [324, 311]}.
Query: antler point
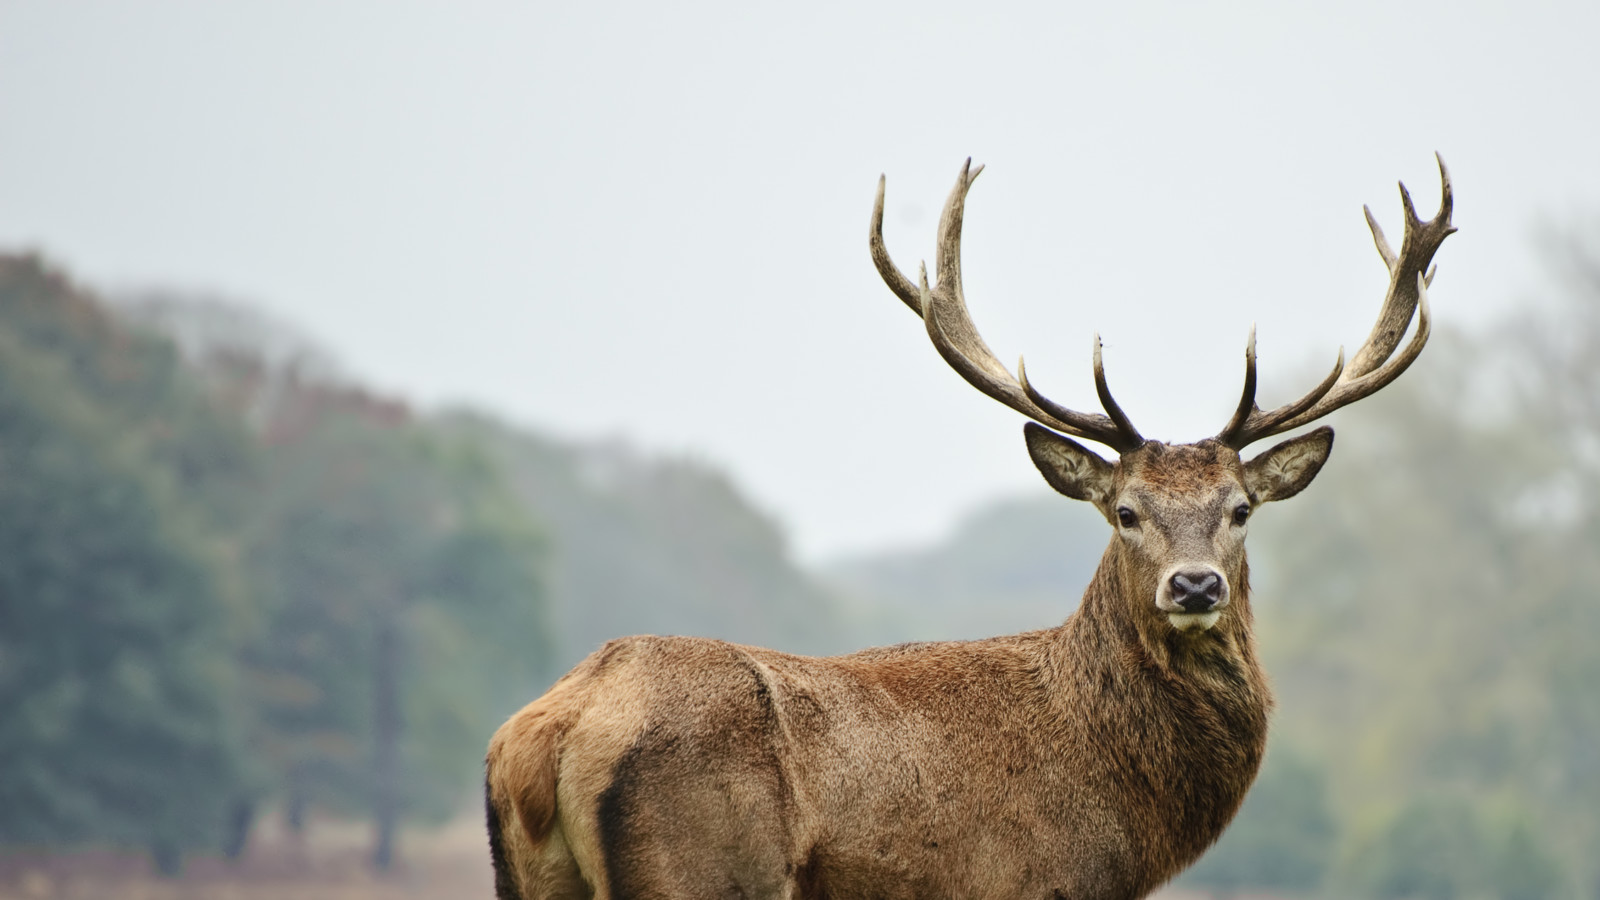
{"type": "Point", "coordinates": [1411, 208]}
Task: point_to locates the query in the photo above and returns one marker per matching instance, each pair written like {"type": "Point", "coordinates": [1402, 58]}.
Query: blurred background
{"type": "Point", "coordinates": [363, 366]}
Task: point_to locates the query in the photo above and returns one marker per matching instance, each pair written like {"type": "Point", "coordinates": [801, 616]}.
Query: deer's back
{"type": "Point", "coordinates": [932, 769]}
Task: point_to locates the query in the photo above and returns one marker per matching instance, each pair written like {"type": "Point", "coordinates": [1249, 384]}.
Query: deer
{"type": "Point", "coordinates": [1093, 760]}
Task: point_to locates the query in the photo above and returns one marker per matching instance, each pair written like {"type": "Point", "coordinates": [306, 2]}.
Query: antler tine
{"type": "Point", "coordinates": [1384, 250]}
{"type": "Point", "coordinates": [1348, 391]}
{"type": "Point", "coordinates": [1108, 403]}
{"type": "Point", "coordinates": [945, 308]}
{"type": "Point", "coordinates": [944, 312]}
{"type": "Point", "coordinates": [1249, 424]}
{"type": "Point", "coordinates": [1420, 242]}
{"type": "Point", "coordinates": [1371, 368]}
{"type": "Point", "coordinates": [1247, 401]}
{"type": "Point", "coordinates": [1093, 426]}
{"type": "Point", "coordinates": [892, 276]}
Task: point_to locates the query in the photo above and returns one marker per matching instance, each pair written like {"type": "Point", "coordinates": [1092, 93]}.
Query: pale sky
{"type": "Point", "coordinates": [649, 220]}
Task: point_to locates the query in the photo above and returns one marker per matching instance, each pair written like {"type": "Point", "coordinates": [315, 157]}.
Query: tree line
{"type": "Point", "coordinates": [234, 582]}
{"type": "Point", "coordinates": [231, 582]}
{"type": "Point", "coordinates": [225, 585]}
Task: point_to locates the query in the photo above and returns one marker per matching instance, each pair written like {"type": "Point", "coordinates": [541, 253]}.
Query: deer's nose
{"type": "Point", "coordinates": [1197, 592]}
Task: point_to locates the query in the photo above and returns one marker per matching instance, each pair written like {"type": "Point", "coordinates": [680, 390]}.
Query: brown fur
{"type": "Point", "coordinates": [1091, 760]}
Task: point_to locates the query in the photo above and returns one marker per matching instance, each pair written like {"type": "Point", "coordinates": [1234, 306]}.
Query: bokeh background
{"type": "Point", "coordinates": [363, 366]}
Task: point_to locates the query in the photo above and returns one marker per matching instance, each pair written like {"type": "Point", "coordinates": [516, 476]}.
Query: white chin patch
{"type": "Point", "coordinates": [1193, 621]}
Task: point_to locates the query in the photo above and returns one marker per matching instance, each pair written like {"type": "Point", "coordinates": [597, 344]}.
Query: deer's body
{"type": "Point", "coordinates": [996, 768]}
{"type": "Point", "coordinates": [1092, 760]}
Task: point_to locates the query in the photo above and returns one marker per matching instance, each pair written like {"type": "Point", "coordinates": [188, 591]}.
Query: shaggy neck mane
{"type": "Point", "coordinates": [1182, 715]}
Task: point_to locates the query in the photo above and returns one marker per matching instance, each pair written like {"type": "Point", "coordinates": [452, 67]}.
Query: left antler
{"type": "Point", "coordinates": [944, 310]}
{"type": "Point", "coordinates": [1372, 367]}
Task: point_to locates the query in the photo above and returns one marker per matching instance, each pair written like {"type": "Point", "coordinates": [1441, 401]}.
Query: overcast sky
{"type": "Point", "coordinates": [649, 220]}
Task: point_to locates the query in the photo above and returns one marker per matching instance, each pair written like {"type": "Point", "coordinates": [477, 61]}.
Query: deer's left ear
{"type": "Point", "coordinates": [1286, 469]}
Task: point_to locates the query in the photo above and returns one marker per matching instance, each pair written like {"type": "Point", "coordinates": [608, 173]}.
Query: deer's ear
{"type": "Point", "coordinates": [1286, 469]}
{"type": "Point", "coordinates": [1071, 468]}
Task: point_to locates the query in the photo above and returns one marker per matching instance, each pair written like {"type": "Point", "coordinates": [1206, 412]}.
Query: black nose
{"type": "Point", "coordinates": [1197, 592]}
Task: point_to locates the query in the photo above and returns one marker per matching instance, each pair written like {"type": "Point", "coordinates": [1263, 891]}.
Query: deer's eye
{"type": "Point", "coordinates": [1241, 514]}
{"type": "Point", "coordinates": [1126, 517]}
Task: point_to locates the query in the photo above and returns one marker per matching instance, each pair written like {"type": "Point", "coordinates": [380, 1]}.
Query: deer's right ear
{"type": "Point", "coordinates": [1070, 467]}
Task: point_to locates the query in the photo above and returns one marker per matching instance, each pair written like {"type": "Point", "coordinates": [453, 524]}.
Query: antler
{"type": "Point", "coordinates": [1371, 368]}
{"type": "Point", "coordinates": [943, 309]}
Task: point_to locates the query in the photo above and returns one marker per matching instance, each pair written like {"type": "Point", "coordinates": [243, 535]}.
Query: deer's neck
{"type": "Point", "coordinates": [1181, 716]}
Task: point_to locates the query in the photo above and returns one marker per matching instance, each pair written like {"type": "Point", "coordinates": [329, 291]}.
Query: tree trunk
{"type": "Point", "coordinates": [166, 858]}
{"type": "Point", "coordinates": [294, 811]}
{"type": "Point", "coordinates": [386, 734]}
{"type": "Point", "coordinates": [241, 816]}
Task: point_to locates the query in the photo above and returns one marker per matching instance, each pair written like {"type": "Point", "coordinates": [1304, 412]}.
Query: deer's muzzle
{"type": "Point", "coordinates": [1192, 596]}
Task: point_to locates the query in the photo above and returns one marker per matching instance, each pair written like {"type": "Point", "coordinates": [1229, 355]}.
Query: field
{"type": "Point", "coordinates": [329, 862]}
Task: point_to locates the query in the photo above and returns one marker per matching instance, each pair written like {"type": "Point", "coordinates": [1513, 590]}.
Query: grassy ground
{"type": "Point", "coordinates": [328, 863]}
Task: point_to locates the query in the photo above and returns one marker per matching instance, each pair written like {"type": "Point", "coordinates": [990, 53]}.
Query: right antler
{"type": "Point", "coordinates": [1371, 368]}
{"type": "Point", "coordinates": [944, 309]}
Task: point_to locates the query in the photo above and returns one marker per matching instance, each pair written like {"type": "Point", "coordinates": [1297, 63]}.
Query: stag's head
{"type": "Point", "coordinates": [1180, 511]}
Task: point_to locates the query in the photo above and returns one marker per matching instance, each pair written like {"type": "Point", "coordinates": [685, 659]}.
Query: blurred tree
{"type": "Point", "coordinates": [400, 588]}
{"type": "Point", "coordinates": [1432, 849]}
{"type": "Point", "coordinates": [402, 596]}
{"type": "Point", "coordinates": [642, 545]}
{"type": "Point", "coordinates": [237, 587]}
{"type": "Point", "coordinates": [1521, 869]}
{"type": "Point", "coordinates": [1440, 847]}
{"type": "Point", "coordinates": [1558, 402]}
{"type": "Point", "coordinates": [117, 611]}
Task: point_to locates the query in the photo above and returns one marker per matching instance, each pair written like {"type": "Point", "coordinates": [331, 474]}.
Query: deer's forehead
{"type": "Point", "coordinates": [1185, 473]}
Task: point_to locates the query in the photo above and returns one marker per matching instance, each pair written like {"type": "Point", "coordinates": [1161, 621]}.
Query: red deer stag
{"type": "Point", "coordinates": [1091, 760]}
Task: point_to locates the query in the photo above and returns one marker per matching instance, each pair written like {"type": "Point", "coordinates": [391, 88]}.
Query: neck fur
{"type": "Point", "coordinates": [1183, 715]}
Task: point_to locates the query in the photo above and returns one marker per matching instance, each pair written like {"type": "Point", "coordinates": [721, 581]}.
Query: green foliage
{"type": "Point", "coordinates": [1440, 847]}
{"type": "Point", "coordinates": [1521, 869]}
{"type": "Point", "coordinates": [643, 545]}
{"type": "Point", "coordinates": [223, 584]}
{"type": "Point", "coordinates": [115, 609]}
{"type": "Point", "coordinates": [1431, 850]}
{"type": "Point", "coordinates": [400, 592]}
{"type": "Point", "coordinates": [230, 580]}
